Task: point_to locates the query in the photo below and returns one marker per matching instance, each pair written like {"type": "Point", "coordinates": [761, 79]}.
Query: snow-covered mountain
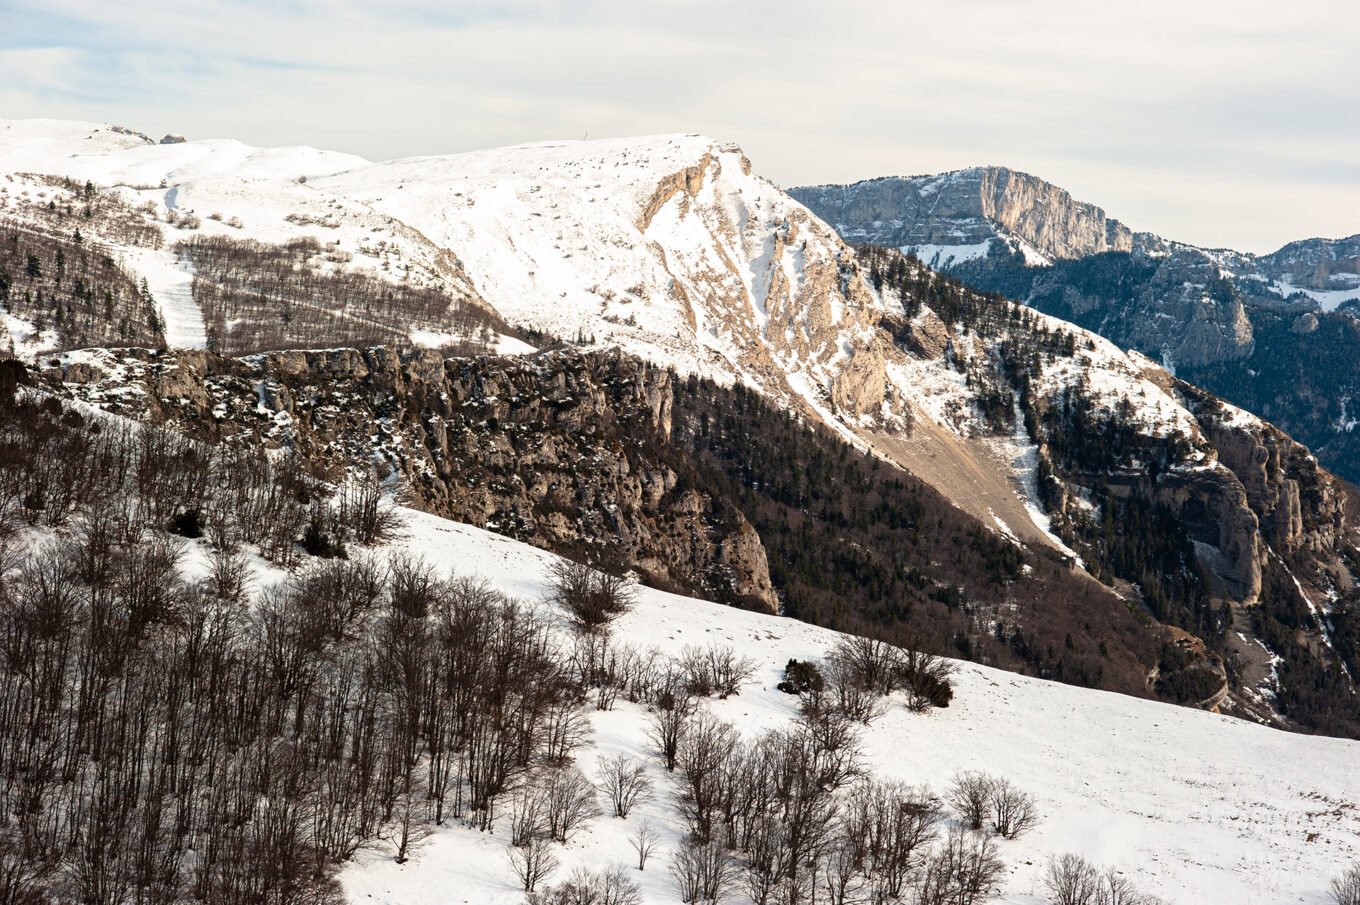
{"type": "Point", "coordinates": [674, 250]}
{"type": "Point", "coordinates": [1051, 501]}
{"type": "Point", "coordinates": [949, 219]}
{"type": "Point", "coordinates": [1235, 322]}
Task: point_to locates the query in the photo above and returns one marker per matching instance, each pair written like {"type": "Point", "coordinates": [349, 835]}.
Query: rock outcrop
{"type": "Point", "coordinates": [563, 450]}
{"type": "Point", "coordinates": [1324, 265]}
{"type": "Point", "coordinates": [965, 208]}
{"type": "Point", "coordinates": [1175, 307]}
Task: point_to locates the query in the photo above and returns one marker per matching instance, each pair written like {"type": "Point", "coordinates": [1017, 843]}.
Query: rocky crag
{"type": "Point", "coordinates": [560, 450]}
{"type": "Point", "coordinates": [1240, 324]}
{"type": "Point", "coordinates": [965, 208]}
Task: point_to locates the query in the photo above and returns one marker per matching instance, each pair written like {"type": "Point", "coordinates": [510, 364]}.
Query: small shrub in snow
{"type": "Point", "coordinates": [801, 677]}
{"type": "Point", "coordinates": [716, 669]}
{"type": "Point", "coordinates": [846, 693]}
{"type": "Point", "coordinates": [926, 679]}
{"type": "Point", "coordinates": [188, 523]}
{"type": "Point", "coordinates": [591, 598]}
{"type": "Point", "coordinates": [590, 887]}
{"type": "Point", "coordinates": [874, 665]}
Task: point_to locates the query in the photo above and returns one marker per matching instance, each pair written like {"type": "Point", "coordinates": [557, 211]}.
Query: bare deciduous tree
{"type": "Point", "coordinates": [1071, 880]}
{"type": "Point", "coordinates": [704, 873]}
{"type": "Point", "coordinates": [533, 863]}
{"type": "Point", "coordinates": [568, 801]}
{"type": "Point", "coordinates": [707, 743]}
{"type": "Point", "coordinates": [970, 795]}
{"type": "Point", "coordinates": [528, 818]}
{"type": "Point", "coordinates": [962, 870]}
{"type": "Point", "coordinates": [625, 783]}
{"type": "Point", "coordinates": [590, 887]}
{"type": "Point", "coordinates": [1014, 812]}
{"type": "Point", "coordinates": [644, 842]}
{"type": "Point", "coordinates": [409, 827]}
{"type": "Point", "coordinates": [666, 723]}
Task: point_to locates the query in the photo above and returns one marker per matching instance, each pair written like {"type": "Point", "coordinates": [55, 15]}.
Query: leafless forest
{"type": "Point", "coordinates": [258, 297]}
{"type": "Point", "coordinates": [169, 735]}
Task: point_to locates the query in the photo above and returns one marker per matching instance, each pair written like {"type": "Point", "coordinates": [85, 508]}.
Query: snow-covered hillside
{"type": "Point", "coordinates": [669, 246]}
{"type": "Point", "coordinates": [1195, 807]}
{"type": "Point", "coordinates": [672, 248]}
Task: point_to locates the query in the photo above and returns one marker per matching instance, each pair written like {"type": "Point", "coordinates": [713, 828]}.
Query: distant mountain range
{"type": "Point", "coordinates": [1278, 334]}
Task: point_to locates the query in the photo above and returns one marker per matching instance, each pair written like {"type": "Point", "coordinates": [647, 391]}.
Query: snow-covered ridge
{"type": "Point", "coordinates": [1195, 807]}
{"type": "Point", "coordinates": [669, 246]}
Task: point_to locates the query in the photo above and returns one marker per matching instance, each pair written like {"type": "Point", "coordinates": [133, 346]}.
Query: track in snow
{"type": "Point", "coordinates": [171, 281]}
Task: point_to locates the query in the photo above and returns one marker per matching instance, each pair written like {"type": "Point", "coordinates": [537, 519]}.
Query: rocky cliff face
{"type": "Point", "coordinates": [562, 450]}
{"type": "Point", "coordinates": [1175, 307]}
{"type": "Point", "coordinates": [1323, 265]}
{"type": "Point", "coordinates": [1200, 508]}
{"type": "Point", "coordinates": [967, 208]}
{"type": "Point", "coordinates": [1214, 314]}
{"type": "Point", "coordinates": [1303, 512]}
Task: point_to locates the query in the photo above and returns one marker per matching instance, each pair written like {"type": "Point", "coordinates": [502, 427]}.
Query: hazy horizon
{"type": "Point", "coordinates": [1223, 125]}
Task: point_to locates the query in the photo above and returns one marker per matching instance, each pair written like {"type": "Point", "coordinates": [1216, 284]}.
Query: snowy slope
{"type": "Point", "coordinates": [669, 246]}
{"type": "Point", "coordinates": [49, 145]}
{"type": "Point", "coordinates": [1192, 806]}
{"type": "Point", "coordinates": [221, 187]}
{"type": "Point", "coordinates": [170, 280]}
{"type": "Point", "coordinates": [110, 155]}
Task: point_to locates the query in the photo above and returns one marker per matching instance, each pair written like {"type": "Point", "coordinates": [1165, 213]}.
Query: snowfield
{"type": "Point", "coordinates": [1198, 808]}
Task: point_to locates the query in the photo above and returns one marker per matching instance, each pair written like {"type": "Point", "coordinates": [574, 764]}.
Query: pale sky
{"type": "Point", "coordinates": [1220, 123]}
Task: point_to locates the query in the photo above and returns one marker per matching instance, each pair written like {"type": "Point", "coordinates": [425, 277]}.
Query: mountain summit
{"type": "Point", "coordinates": [1237, 323]}
{"type": "Point", "coordinates": [953, 217]}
